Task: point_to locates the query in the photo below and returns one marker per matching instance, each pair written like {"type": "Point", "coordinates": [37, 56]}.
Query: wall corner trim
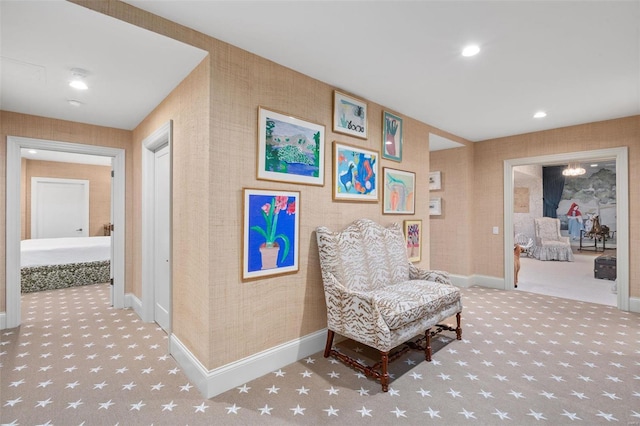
{"type": "Point", "coordinates": [214, 382]}
{"type": "Point", "coordinates": [634, 304]}
{"type": "Point", "coordinates": [3, 320]}
{"type": "Point", "coordinates": [463, 281]}
{"type": "Point", "coordinates": [132, 301]}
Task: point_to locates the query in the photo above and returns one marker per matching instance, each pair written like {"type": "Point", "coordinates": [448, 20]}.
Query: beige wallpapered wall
{"type": "Point", "coordinates": [13, 124]}
{"type": "Point", "coordinates": [99, 178]}
{"type": "Point", "coordinates": [188, 108]}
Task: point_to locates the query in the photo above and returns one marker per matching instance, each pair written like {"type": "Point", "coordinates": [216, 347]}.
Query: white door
{"type": "Point", "coordinates": [59, 208]}
{"type": "Point", "coordinates": [111, 232]}
{"type": "Point", "coordinates": [162, 239]}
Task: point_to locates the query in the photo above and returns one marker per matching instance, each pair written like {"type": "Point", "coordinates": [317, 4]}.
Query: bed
{"type": "Point", "coordinates": [51, 263]}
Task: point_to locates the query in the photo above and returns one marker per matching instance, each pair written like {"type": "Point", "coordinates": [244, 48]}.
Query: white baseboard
{"type": "Point", "coordinates": [3, 320]}
{"type": "Point", "coordinates": [634, 304]}
{"type": "Point", "coordinates": [486, 281]}
{"type": "Point", "coordinates": [461, 280]}
{"type": "Point", "coordinates": [214, 382]}
{"type": "Point", "coordinates": [132, 301]}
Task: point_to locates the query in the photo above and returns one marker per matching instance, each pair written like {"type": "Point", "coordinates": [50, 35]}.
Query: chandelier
{"type": "Point", "coordinates": [574, 170]}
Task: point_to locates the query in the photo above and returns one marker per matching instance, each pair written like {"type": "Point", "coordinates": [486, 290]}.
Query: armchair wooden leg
{"type": "Point", "coordinates": [384, 377]}
{"type": "Point", "coordinates": [427, 345]}
{"type": "Point", "coordinates": [458, 329]}
{"type": "Point", "coordinates": [327, 349]}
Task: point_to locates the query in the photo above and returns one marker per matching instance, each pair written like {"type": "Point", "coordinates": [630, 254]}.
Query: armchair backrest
{"type": "Point", "coordinates": [547, 228]}
{"type": "Point", "coordinates": [364, 256]}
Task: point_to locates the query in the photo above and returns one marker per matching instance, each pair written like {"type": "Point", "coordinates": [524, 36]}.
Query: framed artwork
{"type": "Point", "coordinates": [435, 180]}
{"type": "Point", "coordinates": [349, 115]}
{"type": "Point", "coordinates": [413, 238]}
{"type": "Point", "coordinates": [289, 149]}
{"type": "Point", "coordinates": [391, 136]}
{"type": "Point", "coordinates": [435, 206]}
{"type": "Point", "coordinates": [271, 232]}
{"type": "Point", "coordinates": [399, 191]}
{"type": "Point", "coordinates": [355, 173]}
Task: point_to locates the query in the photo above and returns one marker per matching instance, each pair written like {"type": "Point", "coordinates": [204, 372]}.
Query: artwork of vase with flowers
{"type": "Point", "coordinates": [271, 229]}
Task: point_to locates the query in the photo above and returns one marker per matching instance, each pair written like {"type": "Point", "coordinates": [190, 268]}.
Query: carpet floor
{"type": "Point", "coordinates": [524, 359]}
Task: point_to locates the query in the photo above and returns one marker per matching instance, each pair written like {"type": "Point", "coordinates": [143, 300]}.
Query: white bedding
{"type": "Point", "coordinates": [60, 251]}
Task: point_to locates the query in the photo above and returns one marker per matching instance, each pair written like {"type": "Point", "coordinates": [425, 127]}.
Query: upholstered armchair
{"type": "Point", "coordinates": [550, 244]}
{"type": "Point", "coordinates": [375, 296]}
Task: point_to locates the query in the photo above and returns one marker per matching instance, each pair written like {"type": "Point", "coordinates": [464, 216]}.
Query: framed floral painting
{"type": "Point", "coordinates": [289, 149]}
{"type": "Point", "coordinates": [349, 115]}
{"type": "Point", "coordinates": [355, 173]}
{"type": "Point", "coordinates": [271, 232]}
{"type": "Point", "coordinates": [413, 238]}
{"type": "Point", "coordinates": [399, 191]}
{"type": "Point", "coordinates": [391, 136]}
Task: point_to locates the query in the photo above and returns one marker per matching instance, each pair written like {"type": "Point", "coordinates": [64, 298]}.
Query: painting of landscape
{"type": "Point", "coordinates": [290, 149]}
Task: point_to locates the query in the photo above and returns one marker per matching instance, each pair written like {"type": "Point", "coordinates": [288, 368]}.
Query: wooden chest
{"type": "Point", "coordinates": [605, 267]}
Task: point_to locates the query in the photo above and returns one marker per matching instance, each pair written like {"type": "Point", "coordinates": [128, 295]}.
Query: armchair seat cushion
{"type": "Point", "coordinates": [408, 301]}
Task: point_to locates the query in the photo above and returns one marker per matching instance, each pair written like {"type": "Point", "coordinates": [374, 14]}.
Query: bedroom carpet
{"type": "Point", "coordinates": [524, 359]}
{"type": "Point", "coordinates": [571, 280]}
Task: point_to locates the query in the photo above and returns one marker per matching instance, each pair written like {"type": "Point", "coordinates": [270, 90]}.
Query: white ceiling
{"type": "Point", "coordinates": [130, 70]}
{"type": "Point", "coordinates": [579, 61]}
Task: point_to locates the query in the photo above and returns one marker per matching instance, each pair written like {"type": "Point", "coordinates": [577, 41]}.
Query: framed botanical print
{"type": "Point", "coordinates": [290, 149]}
{"type": "Point", "coordinates": [413, 238]}
{"type": "Point", "coordinates": [355, 173]}
{"type": "Point", "coordinates": [399, 191]}
{"type": "Point", "coordinates": [271, 232]}
{"type": "Point", "coordinates": [391, 136]}
{"type": "Point", "coordinates": [349, 115]}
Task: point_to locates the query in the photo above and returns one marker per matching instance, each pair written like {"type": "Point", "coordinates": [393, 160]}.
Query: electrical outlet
{"type": "Point", "coordinates": [496, 231]}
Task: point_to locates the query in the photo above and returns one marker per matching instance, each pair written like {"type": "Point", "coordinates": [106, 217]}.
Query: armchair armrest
{"type": "Point", "coordinates": [416, 273]}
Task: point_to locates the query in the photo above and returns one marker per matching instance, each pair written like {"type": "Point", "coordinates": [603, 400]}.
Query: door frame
{"type": "Point", "coordinates": [622, 210]}
{"type": "Point", "coordinates": [12, 249]}
{"type": "Point", "coordinates": [160, 137]}
{"type": "Point", "coordinates": [35, 188]}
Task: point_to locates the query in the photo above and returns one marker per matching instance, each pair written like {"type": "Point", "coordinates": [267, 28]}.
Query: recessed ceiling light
{"type": "Point", "coordinates": [78, 76]}
{"type": "Point", "coordinates": [471, 50]}
{"type": "Point", "coordinates": [74, 102]}
{"type": "Point", "coordinates": [594, 165]}
{"type": "Point", "coordinates": [540, 114]}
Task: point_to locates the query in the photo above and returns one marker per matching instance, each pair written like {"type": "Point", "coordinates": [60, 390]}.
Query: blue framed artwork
{"type": "Point", "coordinates": [355, 173]}
{"type": "Point", "coordinates": [271, 232]}
{"type": "Point", "coordinates": [289, 149]}
{"type": "Point", "coordinates": [391, 136]}
{"type": "Point", "coordinates": [349, 115]}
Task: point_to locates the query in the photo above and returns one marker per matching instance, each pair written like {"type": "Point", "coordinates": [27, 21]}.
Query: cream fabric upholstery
{"type": "Point", "coordinates": [374, 295]}
{"type": "Point", "coordinates": [550, 244]}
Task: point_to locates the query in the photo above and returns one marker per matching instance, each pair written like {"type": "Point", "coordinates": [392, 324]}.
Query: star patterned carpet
{"type": "Point", "coordinates": [524, 359]}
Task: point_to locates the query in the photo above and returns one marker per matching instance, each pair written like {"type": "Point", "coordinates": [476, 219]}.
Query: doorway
{"type": "Point", "coordinates": [622, 210]}
{"type": "Point", "coordinates": [14, 147]}
{"type": "Point", "coordinates": [156, 227]}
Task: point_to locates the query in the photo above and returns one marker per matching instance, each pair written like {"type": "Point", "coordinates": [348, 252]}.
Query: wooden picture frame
{"type": "Point", "coordinates": [435, 206]}
{"type": "Point", "coordinates": [399, 191]}
{"type": "Point", "coordinates": [413, 239]}
{"type": "Point", "coordinates": [290, 149]}
{"type": "Point", "coordinates": [271, 232]}
{"type": "Point", "coordinates": [355, 173]}
{"type": "Point", "coordinates": [435, 181]}
{"type": "Point", "coordinates": [349, 115]}
{"type": "Point", "coordinates": [392, 133]}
